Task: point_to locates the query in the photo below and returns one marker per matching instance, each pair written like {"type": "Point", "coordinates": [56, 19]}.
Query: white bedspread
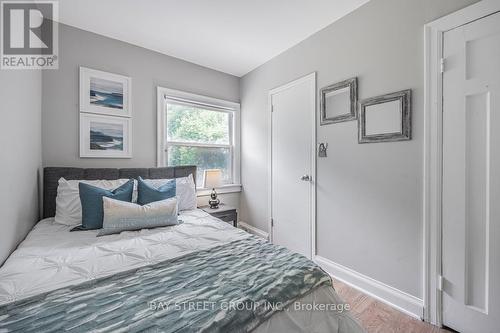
{"type": "Point", "coordinates": [51, 257]}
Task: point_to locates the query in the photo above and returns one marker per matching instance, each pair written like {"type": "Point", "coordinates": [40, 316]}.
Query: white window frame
{"type": "Point", "coordinates": [218, 105]}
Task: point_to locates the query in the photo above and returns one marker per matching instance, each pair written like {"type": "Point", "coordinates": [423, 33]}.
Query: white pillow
{"type": "Point", "coordinates": [127, 216]}
{"type": "Point", "coordinates": [68, 206]}
{"type": "Point", "coordinates": [185, 190]}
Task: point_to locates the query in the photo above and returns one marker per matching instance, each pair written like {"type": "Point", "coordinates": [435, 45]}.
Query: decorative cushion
{"type": "Point", "coordinates": [91, 198]}
{"type": "Point", "coordinates": [185, 190]}
{"type": "Point", "coordinates": [127, 216]}
{"type": "Point", "coordinates": [68, 205]}
{"type": "Point", "coordinates": [147, 193]}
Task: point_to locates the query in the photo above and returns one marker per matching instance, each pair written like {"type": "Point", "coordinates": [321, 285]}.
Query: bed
{"type": "Point", "coordinates": [200, 275]}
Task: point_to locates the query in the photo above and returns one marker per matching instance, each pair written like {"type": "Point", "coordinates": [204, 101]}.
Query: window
{"type": "Point", "coordinates": [198, 130]}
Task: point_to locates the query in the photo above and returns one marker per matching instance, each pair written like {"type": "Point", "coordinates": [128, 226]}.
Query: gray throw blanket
{"type": "Point", "coordinates": [229, 288]}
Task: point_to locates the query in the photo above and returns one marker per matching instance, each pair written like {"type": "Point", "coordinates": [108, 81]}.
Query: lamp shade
{"type": "Point", "coordinates": [212, 178]}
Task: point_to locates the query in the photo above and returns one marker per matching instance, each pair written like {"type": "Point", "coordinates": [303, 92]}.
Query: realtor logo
{"type": "Point", "coordinates": [29, 37]}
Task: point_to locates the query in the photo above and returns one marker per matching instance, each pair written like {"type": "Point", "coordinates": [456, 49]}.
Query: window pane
{"type": "Point", "coordinates": [191, 124]}
{"type": "Point", "coordinates": [204, 158]}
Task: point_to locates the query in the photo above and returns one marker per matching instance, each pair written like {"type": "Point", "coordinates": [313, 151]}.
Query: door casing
{"type": "Point", "coordinates": [433, 154]}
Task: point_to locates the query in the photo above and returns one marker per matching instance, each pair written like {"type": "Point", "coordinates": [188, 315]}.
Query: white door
{"type": "Point", "coordinates": [292, 149]}
{"type": "Point", "coordinates": [471, 177]}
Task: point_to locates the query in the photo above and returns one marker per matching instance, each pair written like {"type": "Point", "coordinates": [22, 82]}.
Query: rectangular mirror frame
{"type": "Point", "coordinates": [352, 113]}
{"type": "Point", "coordinates": [404, 98]}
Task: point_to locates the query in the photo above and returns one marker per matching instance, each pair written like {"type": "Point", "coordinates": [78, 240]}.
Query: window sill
{"type": "Point", "coordinates": [232, 188]}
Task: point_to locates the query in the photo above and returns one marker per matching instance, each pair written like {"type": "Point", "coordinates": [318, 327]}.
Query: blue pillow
{"type": "Point", "coordinates": [148, 194]}
{"type": "Point", "coordinates": [91, 199]}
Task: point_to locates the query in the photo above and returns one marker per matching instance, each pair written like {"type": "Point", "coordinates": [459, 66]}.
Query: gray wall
{"type": "Point", "coordinates": [20, 148]}
{"type": "Point", "coordinates": [369, 196]}
{"type": "Point", "coordinates": [147, 69]}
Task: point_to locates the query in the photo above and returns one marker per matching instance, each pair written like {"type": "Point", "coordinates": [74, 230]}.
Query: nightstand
{"type": "Point", "coordinates": [224, 212]}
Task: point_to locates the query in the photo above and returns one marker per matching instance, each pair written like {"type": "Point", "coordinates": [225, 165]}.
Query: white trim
{"type": "Point", "coordinates": [197, 144]}
{"type": "Point", "coordinates": [314, 169]}
{"type": "Point", "coordinates": [196, 98]}
{"type": "Point", "coordinates": [233, 188]}
{"type": "Point", "coordinates": [160, 121]}
{"type": "Point", "coordinates": [211, 102]}
{"type": "Point", "coordinates": [270, 166]}
{"type": "Point", "coordinates": [404, 302]}
{"type": "Point", "coordinates": [253, 230]}
{"type": "Point", "coordinates": [309, 77]}
{"type": "Point", "coordinates": [432, 223]}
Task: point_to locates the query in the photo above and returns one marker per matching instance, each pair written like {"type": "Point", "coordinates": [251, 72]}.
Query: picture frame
{"type": "Point", "coordinates": [103, 136]}
{"type": "Point", "coordinates": [105, 93]}
{"type": "Point", "coordinates": [385, 118]}
{"type": "Point", "coordinates": [339, 102]}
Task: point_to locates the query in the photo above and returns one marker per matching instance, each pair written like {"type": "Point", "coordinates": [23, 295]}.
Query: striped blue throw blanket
{"type": "Point", "coordinates": [229, 288]}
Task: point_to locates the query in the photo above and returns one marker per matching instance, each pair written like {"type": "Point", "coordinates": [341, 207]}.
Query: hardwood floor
{"type": "Point", "coordinates": [377, 317]}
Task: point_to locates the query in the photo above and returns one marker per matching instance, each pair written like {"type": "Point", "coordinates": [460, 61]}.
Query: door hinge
{"type": "Point", "coordinates": [440, 283]}
{"type": "Point", "coordinates": [442, 65]}
{"type": "Point", "coordinates": [272, 108]}
{"type": "Point", "coordinates": [272, 222]}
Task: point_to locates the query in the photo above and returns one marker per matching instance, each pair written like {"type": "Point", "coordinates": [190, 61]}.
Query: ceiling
{"type": "Point", "coordinates": [232, 36]}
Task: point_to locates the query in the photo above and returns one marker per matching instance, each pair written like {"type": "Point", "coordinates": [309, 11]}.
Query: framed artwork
{"type": "Point", "coordinates": [105, 93]}
{"type": "Point", "coordinates": [385, 118]}
{"type": "Point", "coordinates": [339, 102]}
{"type": "Point", "coordinates": [105, 136]}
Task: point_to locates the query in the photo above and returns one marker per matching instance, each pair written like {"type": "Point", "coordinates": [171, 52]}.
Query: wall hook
{"type": "Point", "coordinates": [322, 149]}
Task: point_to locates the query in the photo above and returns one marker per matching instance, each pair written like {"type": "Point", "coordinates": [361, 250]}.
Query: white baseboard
{"type": "Point", "coordinates": [396, 298]}
{"type": "Point", "coordinates": [253, 230]}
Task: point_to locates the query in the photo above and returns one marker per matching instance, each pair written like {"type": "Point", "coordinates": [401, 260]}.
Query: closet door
{"type": "Point", "coordinates": [471, 177]}
{"type": "Point", "coordinates": [292, 149]}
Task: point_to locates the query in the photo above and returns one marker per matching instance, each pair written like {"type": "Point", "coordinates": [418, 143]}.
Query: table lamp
{"type": "Point", "coordinates": [212, 179]}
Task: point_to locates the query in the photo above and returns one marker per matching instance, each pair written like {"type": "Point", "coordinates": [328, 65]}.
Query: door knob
{"type": "Point", "coordinates": [305, 178]}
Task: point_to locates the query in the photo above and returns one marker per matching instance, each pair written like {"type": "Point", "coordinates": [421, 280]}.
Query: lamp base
{"type": "Point", "coordinates": [214, 202]}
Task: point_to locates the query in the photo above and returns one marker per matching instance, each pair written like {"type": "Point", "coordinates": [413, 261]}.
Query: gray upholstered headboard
{"type": "Point", "coordinates": [51, 176]}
